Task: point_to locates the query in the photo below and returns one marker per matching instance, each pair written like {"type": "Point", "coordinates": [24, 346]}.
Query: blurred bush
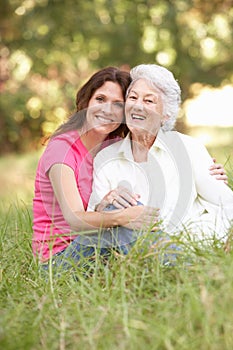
{"type": "Point", "coordinates": [50, 47]}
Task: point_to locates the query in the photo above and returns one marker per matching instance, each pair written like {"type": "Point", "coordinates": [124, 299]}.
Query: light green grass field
{"type": "Point", "coordinates": [134, 302]}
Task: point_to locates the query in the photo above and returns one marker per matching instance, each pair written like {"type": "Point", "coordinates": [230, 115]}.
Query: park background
{"type": "Point", "coordinates": [48, 49]}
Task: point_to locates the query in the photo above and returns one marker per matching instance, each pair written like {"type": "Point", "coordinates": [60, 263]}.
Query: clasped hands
{"type": "Point", "coordinates": [140, 216]}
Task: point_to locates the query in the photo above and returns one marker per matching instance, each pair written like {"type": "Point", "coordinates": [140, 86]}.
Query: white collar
{"type": "Point", "coordinates": [125, 149]}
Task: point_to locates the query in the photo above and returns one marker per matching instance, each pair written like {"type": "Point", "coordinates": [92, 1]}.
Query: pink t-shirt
{"type": "Point", "coordinates": [51, 231]}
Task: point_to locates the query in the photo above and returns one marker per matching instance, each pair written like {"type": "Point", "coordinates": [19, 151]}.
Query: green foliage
{"type": "Point", "coordinates": [49, 47]}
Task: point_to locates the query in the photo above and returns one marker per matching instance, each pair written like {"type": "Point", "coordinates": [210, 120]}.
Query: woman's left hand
{"type": "Point", "coordinates": [121, 198]}
{"type": "Point", "coordinates": [218, 171]}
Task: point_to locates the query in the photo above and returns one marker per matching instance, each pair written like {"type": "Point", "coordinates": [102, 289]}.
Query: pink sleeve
{"type": "Point", "coordinates": [59, 151]}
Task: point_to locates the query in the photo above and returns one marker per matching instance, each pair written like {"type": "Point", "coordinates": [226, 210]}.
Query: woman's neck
{"type": "Point", "coordinates": [140, 146]}
{"type": "Point", "coordinates": [92, 140]}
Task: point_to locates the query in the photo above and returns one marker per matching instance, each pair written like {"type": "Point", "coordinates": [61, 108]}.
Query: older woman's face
{"type": "Point", "coordinates": [144, 108]}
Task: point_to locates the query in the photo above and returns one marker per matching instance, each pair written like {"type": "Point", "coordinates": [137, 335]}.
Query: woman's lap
{"type": "Point", "coordinates": [77, 254]}
{"type": "Point", "coordinates": [83, 256]}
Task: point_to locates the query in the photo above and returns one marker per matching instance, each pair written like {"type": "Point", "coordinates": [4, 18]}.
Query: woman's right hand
{"type": "Point", "coordinates": [142, 217]}
{"type": "Point", "coordinates": [217, 170]}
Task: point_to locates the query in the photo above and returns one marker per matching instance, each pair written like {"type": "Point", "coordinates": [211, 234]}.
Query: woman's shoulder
{"type": "Point", "coordinates": [188, 139]}
{"type": "Point", "coordinates": [65, 141]}
{"type": "Point", "coordinates": [194, 146]}
{"type": "Point", "coordinates": [66, 137]}
{"type": "Point", "coordinates": [62, 145]}
{"type": "Point", "coordinates": [64, 148]}
{"type": "Point", "coordinates": [178, 141]}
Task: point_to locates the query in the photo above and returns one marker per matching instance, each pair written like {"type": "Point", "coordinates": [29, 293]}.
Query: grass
{"type": "Point", "coordinates": [134, 302]}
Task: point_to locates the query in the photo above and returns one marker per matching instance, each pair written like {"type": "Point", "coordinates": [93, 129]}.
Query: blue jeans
{"type": "Point", "coordinates": [81, 252]}
{"type": "Point", "coordinates": [77, 254]}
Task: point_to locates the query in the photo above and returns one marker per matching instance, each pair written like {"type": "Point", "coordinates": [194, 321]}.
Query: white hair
{"type": "Point", "coordinates": [162, 79]}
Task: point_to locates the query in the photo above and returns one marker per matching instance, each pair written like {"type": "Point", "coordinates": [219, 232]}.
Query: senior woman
{"type": "Point", "coordinates": [161, 167]}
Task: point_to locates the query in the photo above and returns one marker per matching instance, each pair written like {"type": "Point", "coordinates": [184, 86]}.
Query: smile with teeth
{"type": "Point", "coordinates": [138, 117]}
{"type": "Point", "coordinates": [104, 119]}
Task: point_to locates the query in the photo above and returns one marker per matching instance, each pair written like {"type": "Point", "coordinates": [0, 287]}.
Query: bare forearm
{"type": "Point", "coordinates": [134, 217]}
{"type": "Point", "coordinates": [92, 220]}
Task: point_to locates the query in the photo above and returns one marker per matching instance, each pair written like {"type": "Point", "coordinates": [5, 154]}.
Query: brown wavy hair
{"type": "Point", "coordinates": [77, 120]}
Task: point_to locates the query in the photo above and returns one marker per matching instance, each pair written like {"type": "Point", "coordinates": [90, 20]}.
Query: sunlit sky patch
{"type": "Point", "coordinates": [212, 107]}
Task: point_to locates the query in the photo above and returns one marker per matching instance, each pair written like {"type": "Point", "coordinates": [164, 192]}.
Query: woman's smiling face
{"type": "Point", "coordinates": [105, 110]}
{"type": "Point", "coordinates": [144, 108]}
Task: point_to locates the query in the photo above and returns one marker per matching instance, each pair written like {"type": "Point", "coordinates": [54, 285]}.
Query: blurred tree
{"type": "Point", "coordinates": [49, 47]}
